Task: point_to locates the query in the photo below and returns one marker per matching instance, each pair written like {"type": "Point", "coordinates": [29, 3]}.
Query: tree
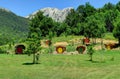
{"type": "Point", "coordinates": [76, 18]}
{"type": "Point", "coordinates": [94, 27]}
{"type": "Point", "coordinates": [109, 18]}
{"type": "Point", "coordinates": [90, 52]}
{"type": "Point", "coordinates": [81, 12]}
{"type": "Point", "coordinates": [89, 9]}
{"type": "Point", "coordinates": [34, 38]}
{"type": "Point", "coordinates": [85, 11]}
{"type": "Point", "coordinates": [118, 6]}
{"type": "Point", "coordinates": [108, 6]}
{"type": "Point", "coordinates": [40, 27]}
{"type": "Point", "coordinates": [62, 29]}
{"type": "Point", "coordinates": [35, 35]}
{"type": "Point", "coordinates": [80, 28]}
{"type": "Point", "coordinates": [111, 12]}
{"type": "Point", "coordinates": [116, 31]}
{"type": "Point", "coordinates": [72, 19]}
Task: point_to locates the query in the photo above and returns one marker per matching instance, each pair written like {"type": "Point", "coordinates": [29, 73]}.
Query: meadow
{"type": "Point", "coordinates": [105, 65]}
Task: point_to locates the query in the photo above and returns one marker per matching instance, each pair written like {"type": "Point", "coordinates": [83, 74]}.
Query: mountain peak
{"type": "Point", "coordinates": [54, 13]}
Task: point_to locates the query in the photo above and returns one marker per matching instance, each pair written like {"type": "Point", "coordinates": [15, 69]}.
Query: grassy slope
{"type": "Point", "coordinates": [61, 66]}
{"type": "Point", "coordinates": [13, 26]}
{"type": "Point", "coordinates": [66, 39]}
{"type": "Point", "coordinates": [109, 36]}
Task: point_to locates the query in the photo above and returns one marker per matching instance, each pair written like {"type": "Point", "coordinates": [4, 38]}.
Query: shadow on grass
{"type": "Point", "coordinates": [30, 63]}
{"type": "Point", "coordinates": [96, 61]}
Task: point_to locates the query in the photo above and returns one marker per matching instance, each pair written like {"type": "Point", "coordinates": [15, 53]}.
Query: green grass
{"type": "Point", "coordinates": [71, 48]}
{"type": "Point", "coordinates": [61, 66]}
{"type": "Point", "coordinates": [66, 39]}
{"type": "Point", "coordinates": [72, 37]}
{"type": "Point", "coordinates": [109, 36]}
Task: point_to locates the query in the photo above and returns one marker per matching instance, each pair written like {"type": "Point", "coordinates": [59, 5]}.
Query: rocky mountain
{"type": "Point", "coordinates": [54, 13]}
{"type": "Point", "coordinates": [11, 25]}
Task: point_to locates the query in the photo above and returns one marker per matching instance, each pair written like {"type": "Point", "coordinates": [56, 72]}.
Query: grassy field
{"type": "Point", "coordinates": [106, 65]}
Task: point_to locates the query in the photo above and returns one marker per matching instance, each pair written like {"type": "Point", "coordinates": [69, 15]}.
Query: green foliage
{"type": "Point", "coordinates": [62, 29]}
{"type": "Point", "coordinates": [85, 19]}
{"type": "Point", "coordinates": [42, 27]}
{"type": "Point", "coordinates": [80, 28]}
{"type": "Point", "coordinates": [70, 48]}
{"type": "Point", "coordinates": [72, 18]}
{"type": "Point", "coordinates": [12, 26]}
{"type": "Point", "coordinates": [99, 20]}
{"type": "Point", "coordinates": [109, 36]}
{"type": "Point", "coordinates": [109, 18]}
{"type": "Point", "coordinates": [108, 6]}
{"type": "Point", "coordinates": [2, 51]}
{"type": "Point", "coordinates": [4, 39]}
{"type": "Point", "coordinates": [89, 9]}
{"type": "Point", "coordinates": [94, 28]}
{"type": "Point", "coordinates": [116, 32]}
{"type": "Point", "coordinates": [45, 24]}
{"type": "Point", "coordinates": [118, 6]}
{"type": "Point", "coordinates": [90, 52]}
{"type": "Point", "coordinates": [34, 36]}
{"type": "Point", "coordinates": [85, 11]}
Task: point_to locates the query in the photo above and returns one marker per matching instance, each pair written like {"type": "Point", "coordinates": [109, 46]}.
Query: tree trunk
{"type": "Point", "coordinates": [101, 43]}
{"type": "Point", "coordinates": [92, 41]}
{"type": "Point", "coordinates": [33, 58]}
{"type": "Point", "coordinates": [50, 45]}
{"type": "Point", "coordinates": [95, 41]}
{"type": "Point", "coordinates": [119, 41]}
{"type": "Point", "coordinates": [91, 58]}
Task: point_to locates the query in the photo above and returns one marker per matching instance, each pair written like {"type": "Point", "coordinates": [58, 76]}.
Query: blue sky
{"type": "Point", "coordinates": [26, 7]}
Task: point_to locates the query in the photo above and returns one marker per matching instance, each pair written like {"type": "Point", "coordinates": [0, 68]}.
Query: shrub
{"type": "Point", "coordinates": [90, 52]}
{"type": "Point", "coordinates": [2, 51]}
{"type": "Point", "coordinates": [71, 48]}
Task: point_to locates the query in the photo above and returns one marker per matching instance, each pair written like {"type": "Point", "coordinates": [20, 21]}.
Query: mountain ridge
{"type": "Point", "coordinates": [55, 13]}
{"type": "Point", "coordinates": [12, 25]}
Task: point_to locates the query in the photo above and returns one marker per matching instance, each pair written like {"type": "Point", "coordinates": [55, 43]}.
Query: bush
{"type": "Point", "coordinates": [2, 51]}
{"type": "Point", "coordinates": [71, 48]}
{"type": "Point", "coordinates": [90, 52]}
{"type": "Point", "coordinates": [47, 50]}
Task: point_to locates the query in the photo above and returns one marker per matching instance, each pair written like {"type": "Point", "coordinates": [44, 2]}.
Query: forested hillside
{"type": "Point", "coordinates": [95, 22]}
{"type": "Point", "coordinates": [80, 17]}
{"type": "Point", "coordinates": [12, 27]}
{"type": "Point", "coordinates": [86, 20]}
